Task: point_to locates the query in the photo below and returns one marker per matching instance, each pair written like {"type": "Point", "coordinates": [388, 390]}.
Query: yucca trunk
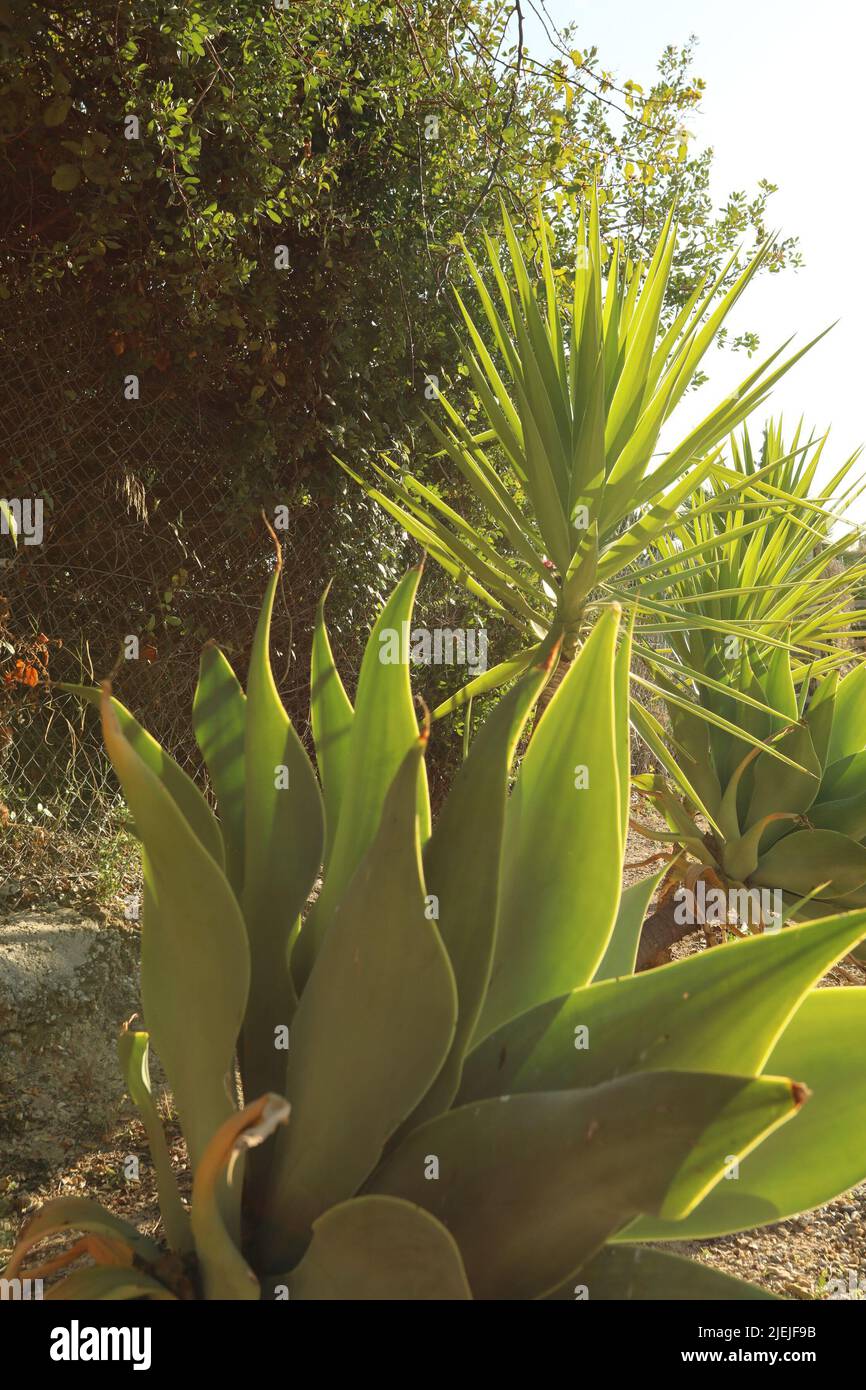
{"type": "Point", "coordinates": [659, 933]}
{"type": "Point", "coordinates": [551, 688]}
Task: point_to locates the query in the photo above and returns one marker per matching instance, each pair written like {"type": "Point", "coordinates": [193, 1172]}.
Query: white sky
{"type": "Point", "coordinates": [783, 102]}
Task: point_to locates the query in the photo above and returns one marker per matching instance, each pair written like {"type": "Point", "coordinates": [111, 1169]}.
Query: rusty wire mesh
{"type": "Point", "coordinates": [152, 531]}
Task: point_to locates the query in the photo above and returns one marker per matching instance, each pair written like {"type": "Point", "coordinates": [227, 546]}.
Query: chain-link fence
{"type": "Point", "coordinates": [149, 531]}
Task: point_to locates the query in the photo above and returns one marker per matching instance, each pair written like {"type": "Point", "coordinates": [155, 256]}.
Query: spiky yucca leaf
{"type": "Point", "coordinates": [574, 391]}
{"type": "Point", "coordinates": [786, 821]}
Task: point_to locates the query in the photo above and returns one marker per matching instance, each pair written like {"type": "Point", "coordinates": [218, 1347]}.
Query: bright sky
{"type": "Point", "coordinates": [784, 102]}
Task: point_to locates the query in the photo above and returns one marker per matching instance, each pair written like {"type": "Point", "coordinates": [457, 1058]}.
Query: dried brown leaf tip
{"type": "Point", "coordinates": [424, 731]}
{"type": "Point", "coordinates": [275, 538]}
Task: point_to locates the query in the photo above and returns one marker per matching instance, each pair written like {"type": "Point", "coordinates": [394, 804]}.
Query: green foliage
{"type": "Point", "coordinates": [797, 826]}
{"type": "Point", "coordinates": [468, 1104]}
{"type": "Point", "coordinates": [574, 379]}
{"type": "Point", "coordinates": [760, 566]}
{"type": "Point", "coordinates": [308, 127]}
{"type": "Point", "coordinates": [766, 740]}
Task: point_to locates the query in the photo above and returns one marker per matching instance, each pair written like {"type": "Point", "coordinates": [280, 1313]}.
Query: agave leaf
{"type": "Point", "coordinates": [844, 778]}
{"type": "Point", "coordinates": [625, 1273]}
{"type": "Point", "coordinates": [782, 788]}
{"type": "Point", "coordinates": [133, 1047]}
{"type": "Point", "coordinates": [331, 716]}
{"type": "Point", "coordinates": [562, 849]}
{"type": "Point", "coordinates": [824, 1153]}
{"type": "Point", "coordinates": [67, 1214]}
{"type": "Point", "coordinates": [740, 855]}
{"type": "Point", "coordinates": [374, 1025]}
{"type": "Point", "coordinates": [807, 857]}
{"type": "Point", "coordinates": [847, 815]}
{"type": "Point", "coordinates": [384, 728]}
{"type": "Point", "coordinates": [622, 727]}
{"type": "Point", "coordinates": [284, 844]}
{"type": "Point", "coordinates": [375, 1248]}
{"type": "Point", "coordinates": [621, 953]}
{"type": "Point", "coordinates": [104, 1285]}
{"type": "Point", "coordinates": [225, 1273]}
{"type": "Point", "coordinates": [815, 904]}
{"type": "Point", "coordinates": [219, 719]}
{"type": "Point", "coordinates": [849, 722]}
{"type": "Point", "coordinates": [461, 869]}
{"type": "Point", "coordinates": [506, 1187]}
{"type": "Point", "coordinates": [195, 964]}
{"type": "Point", "coordinates": [179, 786]}
{"type": "Point", "coordinates": [722, 1010]}
{"type": "Point", "coordinates": [693, 735]}
{"type": "Point", "coordinates": [779, 685]}
{"type": "Point", "coordinates": [820, 715]}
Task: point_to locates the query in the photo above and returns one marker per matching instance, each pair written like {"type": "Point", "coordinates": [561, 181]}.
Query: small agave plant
{"type": "Point", "coordinates": [444, 1081]}
{"type": "Point", "coordinates": [765, 769]}
{"type": "Point", "coordinates": [796, 827]}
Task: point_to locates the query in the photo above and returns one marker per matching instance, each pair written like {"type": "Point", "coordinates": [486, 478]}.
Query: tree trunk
{"type": "Point", "coordinates": [659, 933]}
{"type": "Point", "coordinates": [551, 688]}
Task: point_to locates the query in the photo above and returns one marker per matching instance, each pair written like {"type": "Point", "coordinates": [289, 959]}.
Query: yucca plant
{"type": "Point", "coordinates": [452, 1084]}
{"type": "Point", "coordinates": [575, 378]}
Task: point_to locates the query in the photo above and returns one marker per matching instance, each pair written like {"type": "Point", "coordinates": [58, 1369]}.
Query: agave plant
{"type": "Point", "coordinates": [766, 807]}
{"type": "Point", "coordinates": [741, 587]}
{"type": "Point", "coordinates": [751, 822]}
{"type": "Point", "coordinates": [448, 1084]}
{"type": "Point", "coordinates": [574, 398]}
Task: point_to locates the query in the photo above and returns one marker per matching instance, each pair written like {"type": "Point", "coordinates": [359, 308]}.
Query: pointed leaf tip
{"type": "Point", "coordinates": [275, 538]}
{"type": "Point", "coordinates": [264, 1116]}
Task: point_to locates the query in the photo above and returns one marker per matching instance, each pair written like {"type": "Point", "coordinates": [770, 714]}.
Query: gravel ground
{"type": "Point", "coordinates": [805, 1258]}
